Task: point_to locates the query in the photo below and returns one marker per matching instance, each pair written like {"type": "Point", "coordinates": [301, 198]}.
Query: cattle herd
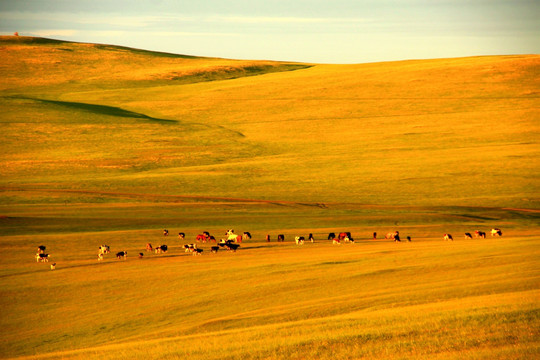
{"type": "Point", "coordinates": [232, 242]}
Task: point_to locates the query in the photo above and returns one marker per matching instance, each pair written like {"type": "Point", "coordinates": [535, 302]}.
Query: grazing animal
{"type": "Point", "coordinates": [165, 232]}
{"type": "Point", "coordinates": [299, 240]}
{"type": "Point", "coordinates": [392, 236]}
{"type": "Point", "coordinates": [42, 257]}
{"type": "Point", "coordinates": [396, 237]}
{"type": "Point", "coordinates": [104, 249]}
{"type": "Point", "coordinates": [232, 247]}
{"type": "Point", "coordinates": [336, 241]}
{"type": "Point", "coordinates": [448, 237]}
{"type": "Point", "coordinates": [121, 254]}
{"type": "Point", "coordinates": [100, 256]}
{"type": "Point", "coordinates": [41, 249]}
{"type": "Point", "coordinates": [331, 236]}
{"type": "Point", "coordinates": [496, 232]}
{"type": "Point", "coordinates": [374, 235]}
{"type": "Point", "coordinates": [190, 247]}
{"type": "Point", "coordinates": [214, 249]}
{"type": "Point", "coordinates": [409, 239]}
{"type": "Point", "coordinates": [161, 249]}
{"type": "Point", "coordinates": [200, 237]}
{"type": "Point", "coordinates": [479, 233]}
{"type": "Point", "coordinates": [141, 255]}
{"type": "Point", "coordinates": [268, 238]}
{"type": "Point", "coordinates": [281, 238]}
{"type": "Point", "coordinates": [246, 236]}
{"type": "Point", "coordinates": [232, 236]}
{"type": "Point", "coordinates": [149, 247]}
{"type": "Point", "coordinates": [197, 251]}
{"type": "Point", "coordinates": [468, 236]}
{"type": "Point", "coordinates": [311, 238]}
{"type": "Point", "coordinates": [53, 266]}
{"type": "Point", "coordinates": [181, 235]}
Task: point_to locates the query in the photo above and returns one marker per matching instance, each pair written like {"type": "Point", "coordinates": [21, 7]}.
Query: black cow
{"type": "Point", "coordinates": [331, 236]}
{"type": "Point", "coordinates": [121, 254]}
{"type": "Point", "coordinates": [468, 236]}
{"type": "Point", "coordinates": [232, 247]}
{"type": "Point", "coordinates": [214, 249]}
{"type": "Point", "coordinates": [281, 238]}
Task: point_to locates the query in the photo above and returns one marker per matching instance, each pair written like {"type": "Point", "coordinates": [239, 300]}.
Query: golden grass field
{"type": "Point", "coordinates": [111, 145]}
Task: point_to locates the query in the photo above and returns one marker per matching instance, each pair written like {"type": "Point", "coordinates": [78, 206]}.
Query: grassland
{"type": "Point", "coordinates": [110, 145]}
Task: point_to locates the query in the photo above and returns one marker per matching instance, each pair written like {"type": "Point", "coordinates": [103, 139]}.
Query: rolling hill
{"type": "Point", "coordinates": [105, 144]}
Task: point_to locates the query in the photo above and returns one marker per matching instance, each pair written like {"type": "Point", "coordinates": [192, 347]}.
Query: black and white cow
{"type": "Point", "coordinates": [42, 257]}
{"type": "Point", "coordinates": [121, 255]}
{"type": "Point", "coordinates": [161, 249]}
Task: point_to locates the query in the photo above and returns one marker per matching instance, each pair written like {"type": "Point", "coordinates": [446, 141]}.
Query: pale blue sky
{"type": "Point", "coordinates": [323, 31]}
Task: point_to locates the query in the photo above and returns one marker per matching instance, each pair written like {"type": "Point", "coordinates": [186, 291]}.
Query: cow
{"type": "Point", "coordinates": [496, 232]}
{"type": "Point", "coordinates": [201, 238]}
{"type": "Point", "coordinates": [232, 236]}
{"type": "Point", "coordinates": [448, 237]}
{"type": "Point", "coordinates": [281, 238]}
{"type": "Point", "coordinates": [165, 232]}
{"type": "Point", "coordinates": [161, 249]}
{"type": "Point", "coordinates": [104, 249]}
{"type": "Point", "coordinates": [42, 257]}
{"type": "Point", "coordinates": [311, 238]}
{"type": "Point", "coordinates": [141, 255]}
{"type": "Point", "coordinates": [246, 236]}
{"type": "Point", "coordinates": [214, 249]}
{"type": "Point", "coordinates": [299, 240]}
{"type": "Point", "coordinates": [41, 249]}
{"type": "Point", "coordinates": [100, 256]}
{"type": "Point", "coordinates": [268, 238]}
{"type": "Point", "coordinates": [197, 251]}
{"type": "Point", "coordinates": [336, 241]}
{"type": "Point", "coordinates": [409, 239]}
{"type": "Point", "coordinates": [479, 233]}
{"type": "Point", "coordinates": [190, 247]}
{"type": "Point", "coordinates": [468, 236]}
{"type": "Point", "coordinates": [396, 237]}
{"type": "Point", "coordinates": [331, 236]}
{"type": "Point", "coordinates": [121, 255]}
{"type": "Point", "coordinates": [149, 247]}
{"type": "Point", "coordinates": [392, 236]}
{"type": "Point", "coordinates": [53, 266]}
{"type": "Point", "coordinates": [181, 235]}
{"type": "Point", "coordinates": [232, 247]}
{"type": "Point", "coordinates": [374, 235]}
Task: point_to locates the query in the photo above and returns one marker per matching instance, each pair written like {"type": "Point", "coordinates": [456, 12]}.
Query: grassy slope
{"type": "Point", "coordinates": [104, 144]}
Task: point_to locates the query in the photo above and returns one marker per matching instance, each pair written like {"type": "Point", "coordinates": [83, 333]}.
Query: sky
{"type": "Point", "coordinates": [315, 31]}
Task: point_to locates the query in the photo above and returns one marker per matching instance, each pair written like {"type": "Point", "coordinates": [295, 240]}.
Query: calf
{"type": "Point", "coordinates": [181, 235]}
{"type": "Point", "coordinates": [149, 247]}
{"type": "Point", "coordinates": [100, 256]}
{"type": "Point", "coordinates": [165, 232]}
{"type": "Point", "coordinates": [336, 241]}
{"type": "Point", "coordinates": [53, 266]}
{"type": "Point", "coordinates": [121, 254]}
{"type": "Point", "coordinates": [448, 237]}
{"type": "Point", "coordinates": [42, 257]}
